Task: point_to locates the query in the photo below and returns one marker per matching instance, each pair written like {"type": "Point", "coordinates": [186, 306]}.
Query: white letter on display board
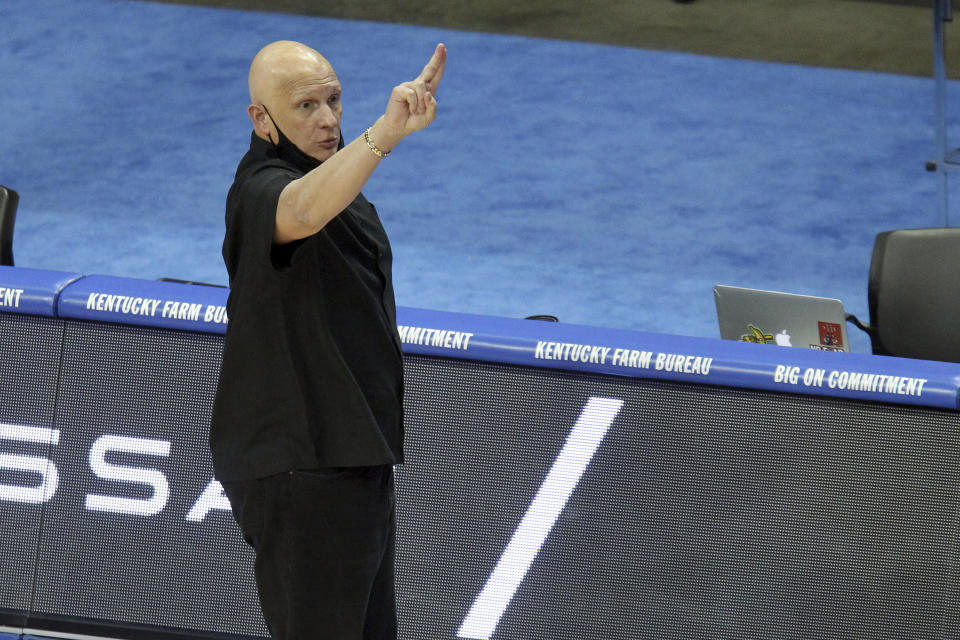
{"type": "Point", "coordinates": [33, 464]}
{"type": "Point", "coordinates": [212, 497]}
{"type": "Point", "coordinates": [541, 515]}
{"type": "Point", "coordinates": [152, 477]}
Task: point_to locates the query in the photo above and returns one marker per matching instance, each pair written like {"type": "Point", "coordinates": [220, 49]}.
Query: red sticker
{"type": "Point", "coordinates": [831, 334]}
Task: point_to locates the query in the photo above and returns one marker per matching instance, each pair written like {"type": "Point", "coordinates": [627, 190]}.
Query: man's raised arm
{"type": "Point", "coordinates": [306, 205]}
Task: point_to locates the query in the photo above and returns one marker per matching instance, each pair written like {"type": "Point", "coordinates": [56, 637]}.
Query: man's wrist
{"type": "Point", "coordinates": [382, 137]}
{"type": "Point", "coordinates": [372, 146]}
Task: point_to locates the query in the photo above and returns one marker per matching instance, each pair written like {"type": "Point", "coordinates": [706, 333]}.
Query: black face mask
{"type": "Point", "coordinates": [291, 152]}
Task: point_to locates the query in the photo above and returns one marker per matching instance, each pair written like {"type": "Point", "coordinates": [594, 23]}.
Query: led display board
{"type": "Point", "coordinates": [538, 502]}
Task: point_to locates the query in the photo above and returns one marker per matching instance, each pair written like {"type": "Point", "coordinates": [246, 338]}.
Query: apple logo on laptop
{"type": "Point", "coordinates": [783, 339]}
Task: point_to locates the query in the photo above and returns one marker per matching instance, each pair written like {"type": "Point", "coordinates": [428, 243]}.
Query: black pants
{"type": "Point", "coordinates": [324, 543]}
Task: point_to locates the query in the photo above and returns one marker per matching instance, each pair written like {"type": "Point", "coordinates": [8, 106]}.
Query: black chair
{"type": "Point", "coordinates": [914, 294]}
{"type": "Point", "coordinates": [8, 214]}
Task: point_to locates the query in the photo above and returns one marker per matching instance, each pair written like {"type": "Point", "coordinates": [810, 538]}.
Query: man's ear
{"type": "Point", "coordinates": [262, 124]}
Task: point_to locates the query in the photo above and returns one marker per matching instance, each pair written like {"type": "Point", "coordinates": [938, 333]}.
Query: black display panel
{"type": "Point", "coordinates": [705, 512]}
{"type": "Point", "coordinates": [29, 360]}
{"type": "Point", "coordinates": [137, 534]}
{"type": "Point", "coordinates": [535, 503]}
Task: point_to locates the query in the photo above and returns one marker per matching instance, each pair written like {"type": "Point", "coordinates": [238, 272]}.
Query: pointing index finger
{"type": "Point", "coordinates": [432, 73]}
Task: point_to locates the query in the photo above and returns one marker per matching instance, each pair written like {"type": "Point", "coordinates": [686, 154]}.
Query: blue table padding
{"type": "Point", "coordinates": [686, 359]}
{"type": "Point", "coordinates": [32, 291]}
{"type": "Point", "coordinates": [166, 305]}
{"type": "Point", "coordinates": [538, 344]}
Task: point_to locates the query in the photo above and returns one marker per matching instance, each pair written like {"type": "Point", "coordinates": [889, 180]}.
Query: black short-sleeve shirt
{"type": "Point", "coordinates": [312, 373]}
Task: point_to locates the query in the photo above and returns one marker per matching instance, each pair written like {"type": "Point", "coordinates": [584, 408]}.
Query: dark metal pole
{"type": "Point", "coordinates": [942, 12]}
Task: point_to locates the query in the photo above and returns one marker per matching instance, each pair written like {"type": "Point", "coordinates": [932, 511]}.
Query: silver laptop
{"type": "Point", "coordinates": [786, 319]}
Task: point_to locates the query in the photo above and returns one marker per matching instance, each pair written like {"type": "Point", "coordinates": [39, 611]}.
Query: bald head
{"type": "Point", "coordinates": [294, 90]}
{"type": "Point", "coordinates": [279, 65]}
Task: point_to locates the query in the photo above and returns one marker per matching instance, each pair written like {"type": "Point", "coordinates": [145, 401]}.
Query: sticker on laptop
{"type": "Point", "coordinates": [831, 337]}
{"type": "Point", "coordinates": [757, 336]}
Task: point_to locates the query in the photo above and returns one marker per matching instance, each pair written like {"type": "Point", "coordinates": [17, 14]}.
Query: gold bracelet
{"type": "Point", "coordinates": [377, 150]}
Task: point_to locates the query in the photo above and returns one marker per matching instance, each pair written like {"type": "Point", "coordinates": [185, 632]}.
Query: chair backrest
{"type": "Point", "coordinates": [8, 215]}
{"type": "Point", "coordinates": [914, 293]}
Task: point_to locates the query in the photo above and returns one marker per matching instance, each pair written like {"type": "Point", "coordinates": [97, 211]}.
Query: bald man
{"type": "Point", "coordinates": [308, 416]}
